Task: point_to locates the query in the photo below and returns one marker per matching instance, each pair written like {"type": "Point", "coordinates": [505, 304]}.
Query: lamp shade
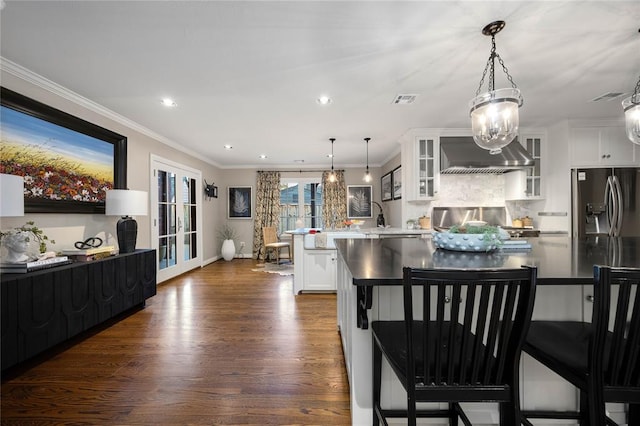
{"type": "Point", "coordinates": [126, 202]}
{"type": "Point", "coordinates": [11, 195]}
{"type": "Point", "coordinates": [632, 118]}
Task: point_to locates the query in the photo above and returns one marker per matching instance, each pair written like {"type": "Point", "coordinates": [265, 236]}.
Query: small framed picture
{"type": "Point", "coordinates": [397, 182]}
{"type": "Point", "coordinates": [240, 202]}
{"type": "Point", "coordinates": [386, 187]}
{"type": "Point", "coordinates": [359, 201]}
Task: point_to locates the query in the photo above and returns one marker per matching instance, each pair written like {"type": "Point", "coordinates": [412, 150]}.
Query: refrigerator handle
{"type": "Point", "coordinates": [611, 203]}
{"type": "Point", "coordinates": [619, 209]}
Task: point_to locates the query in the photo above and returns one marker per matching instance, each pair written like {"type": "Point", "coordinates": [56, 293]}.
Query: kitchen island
{"type": "Point", "coordinates": [369, 279]}
{"type": "Point", "coordinates": [315, 268]}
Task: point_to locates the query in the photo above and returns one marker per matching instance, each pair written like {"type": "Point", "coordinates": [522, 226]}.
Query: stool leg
{"type": "Point", "coordinates": [634, 414]}
{"type": "Point", "coordinates": [377, 381]}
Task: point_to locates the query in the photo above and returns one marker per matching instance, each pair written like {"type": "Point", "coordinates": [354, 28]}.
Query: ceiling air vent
{"type": "Point", "coordinates": [404, 99]}
{"type": "Point", "coordinates": [609, 96]}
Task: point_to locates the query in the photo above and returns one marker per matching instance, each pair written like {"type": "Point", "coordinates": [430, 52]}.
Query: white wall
{"type": "Point", "coordinates": [66, 229]}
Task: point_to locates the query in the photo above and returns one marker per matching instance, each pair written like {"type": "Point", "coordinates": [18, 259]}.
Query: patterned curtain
{"type": "Point", "coordinates": [267, 208]}
{"type": "Point", "coordinates": [334, 200]}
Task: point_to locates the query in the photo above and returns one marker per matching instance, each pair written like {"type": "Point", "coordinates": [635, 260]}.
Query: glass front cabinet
{"type": "Point", "coordinates": [422, 168]}
{"type": "Point", "coordinates": [526, 184]}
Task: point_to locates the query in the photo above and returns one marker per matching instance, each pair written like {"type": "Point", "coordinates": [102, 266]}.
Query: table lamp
{"type": "Point", "coordinates": [11, 195]}
{"type": "Point", "coordinates": [126, 203]}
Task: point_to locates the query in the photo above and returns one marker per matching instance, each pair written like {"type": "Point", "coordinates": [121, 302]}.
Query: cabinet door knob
{"type": "Point", "coordinates": [589, 298]}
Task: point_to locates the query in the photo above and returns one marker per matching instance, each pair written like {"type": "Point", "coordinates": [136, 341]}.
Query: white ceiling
{"type": "Point", "coordinates": [248, 73]}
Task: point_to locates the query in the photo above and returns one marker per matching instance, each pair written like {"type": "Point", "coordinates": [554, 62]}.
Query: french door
{"type": "Point", "coordinates": [176, 222]}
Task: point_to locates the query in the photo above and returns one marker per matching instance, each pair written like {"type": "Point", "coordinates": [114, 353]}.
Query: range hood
{"type": "Point", "coordinates": [461, 155]}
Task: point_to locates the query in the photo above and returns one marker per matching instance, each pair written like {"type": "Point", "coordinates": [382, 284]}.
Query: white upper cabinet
{"type": "Point", "coordinates": [602, 146]}
{"type": "Point", "coordinates": [526, 184]}
{"type": "Point", "coordinates": [421, 167]}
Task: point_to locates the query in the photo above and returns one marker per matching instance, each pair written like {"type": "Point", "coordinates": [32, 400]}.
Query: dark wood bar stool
{"type": "Point", "coordinates": [466, 350]}
{"type": "Point", "coordinates": [600, 358]}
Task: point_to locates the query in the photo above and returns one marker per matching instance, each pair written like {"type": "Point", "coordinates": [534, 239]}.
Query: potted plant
{"type": "Point", "coordinates": [18, 240]}
{"type": "Point", "coordinates": [227, 234]}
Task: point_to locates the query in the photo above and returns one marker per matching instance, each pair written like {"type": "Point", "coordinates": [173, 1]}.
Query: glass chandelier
{"type": "Point", "coordinates": [631, 106]}
{"type": "Point", "coordinates": [494, 114]}
{"type": "Point", "coordinates": [367, 175]}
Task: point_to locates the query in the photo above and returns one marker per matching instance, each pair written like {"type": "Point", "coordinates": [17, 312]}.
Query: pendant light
{"type": "Point", "coordinates": [494, 114]}
{"type": "Point", "coordinates": [631, 106]}
{"type": "Point", "coordinates": [367, 175]}
{"type": "Point", "coordinates": [332, 175]}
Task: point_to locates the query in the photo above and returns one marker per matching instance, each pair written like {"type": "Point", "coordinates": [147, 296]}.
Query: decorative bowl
{"type": "Point", "coordinates": [467, 242]}
{"type": "Point", "coordinates": [452, 259]}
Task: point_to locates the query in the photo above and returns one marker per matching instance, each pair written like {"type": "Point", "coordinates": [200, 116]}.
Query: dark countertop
{"type": "Point", "coordinates": [560, 259]}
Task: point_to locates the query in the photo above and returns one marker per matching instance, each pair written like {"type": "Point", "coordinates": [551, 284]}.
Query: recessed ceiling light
{"type": "Point", "coordinates": [228, 147]}
{"type": "Point", "coordinates": [262, 156]}
{"type": "Point", "coordinates": [324, 100]}
{"type": "Point", "coordinates": [168, 102]}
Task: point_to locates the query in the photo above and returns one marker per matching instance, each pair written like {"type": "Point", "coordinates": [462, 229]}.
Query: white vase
{"type": "Point", "coordinates": [228, 249]}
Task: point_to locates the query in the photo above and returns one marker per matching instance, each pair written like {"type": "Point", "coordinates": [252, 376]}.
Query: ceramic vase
{"type": "Point", "coordinates": [228, 249]}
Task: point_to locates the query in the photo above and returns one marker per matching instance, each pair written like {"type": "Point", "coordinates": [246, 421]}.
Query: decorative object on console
{"type": "Point", "coordinates": [494, 114]}
{"type": "Point", "coordinates": [126, 203]}
{"type": "Point", "coordinates": [17, 242]}
{"type": "Point", "coordinates": [367, 174]}
{"type": "Point", "coordinates": [631, 106]}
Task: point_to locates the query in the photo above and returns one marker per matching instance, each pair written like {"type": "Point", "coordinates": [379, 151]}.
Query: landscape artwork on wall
{"type": "Point", "coordinates": [67, 164]}
{"type": "Point", "coordinates": [359, 201]}
{"type": "Point", "coordinates": [239, 202]}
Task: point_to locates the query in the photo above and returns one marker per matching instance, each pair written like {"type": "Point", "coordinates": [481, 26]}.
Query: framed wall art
{"type": "Point", "coordinates": [240, 202]}
{"type": "Point", "coordinates": [359, 201]}
{"type": "Point", "coordinates": [386, 187]}
{"type": "Point", "coordinates": [397, 182]}
{"type": "Point", "coordinates": [67, 163]}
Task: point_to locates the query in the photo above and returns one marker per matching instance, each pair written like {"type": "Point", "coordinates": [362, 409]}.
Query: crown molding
{"type": "Point", "coordinates": [31, 77]}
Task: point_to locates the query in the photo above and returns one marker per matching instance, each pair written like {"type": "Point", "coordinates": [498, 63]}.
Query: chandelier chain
{"type": "Point", "coordinates": [491, 68]}
{"type": "Point", "coordinates": [635, 98]}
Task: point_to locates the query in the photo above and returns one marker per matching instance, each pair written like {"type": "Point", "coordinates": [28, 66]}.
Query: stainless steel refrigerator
{"type": "Point", "coordinates": [606, 201]}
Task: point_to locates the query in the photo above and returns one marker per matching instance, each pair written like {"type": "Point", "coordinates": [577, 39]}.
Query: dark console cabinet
{"type": "Point", "coordinates": [43, 308]}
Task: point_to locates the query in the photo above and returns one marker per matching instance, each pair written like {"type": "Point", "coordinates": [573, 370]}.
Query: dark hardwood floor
{"type": "Point", "coordinates": [218, 346]}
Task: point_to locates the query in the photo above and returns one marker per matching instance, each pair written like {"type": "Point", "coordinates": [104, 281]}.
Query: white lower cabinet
{"type": "Point", "coordinates": [319, 270]}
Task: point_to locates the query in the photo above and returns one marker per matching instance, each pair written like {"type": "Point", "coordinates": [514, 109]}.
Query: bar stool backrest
{"type": "Point", "coordinates": [477, 321]}
{"type": "Point", "coordinates": [614, 351]}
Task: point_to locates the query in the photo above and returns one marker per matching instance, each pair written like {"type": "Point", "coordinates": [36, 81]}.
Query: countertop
{"type": "Point", "coordinates": [366, 231]}
{"type": "Point", "coordinates": [560, 259]}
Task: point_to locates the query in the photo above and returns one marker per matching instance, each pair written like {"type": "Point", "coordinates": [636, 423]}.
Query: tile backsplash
{"type": "Point", "coordinates": [471, 190]}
